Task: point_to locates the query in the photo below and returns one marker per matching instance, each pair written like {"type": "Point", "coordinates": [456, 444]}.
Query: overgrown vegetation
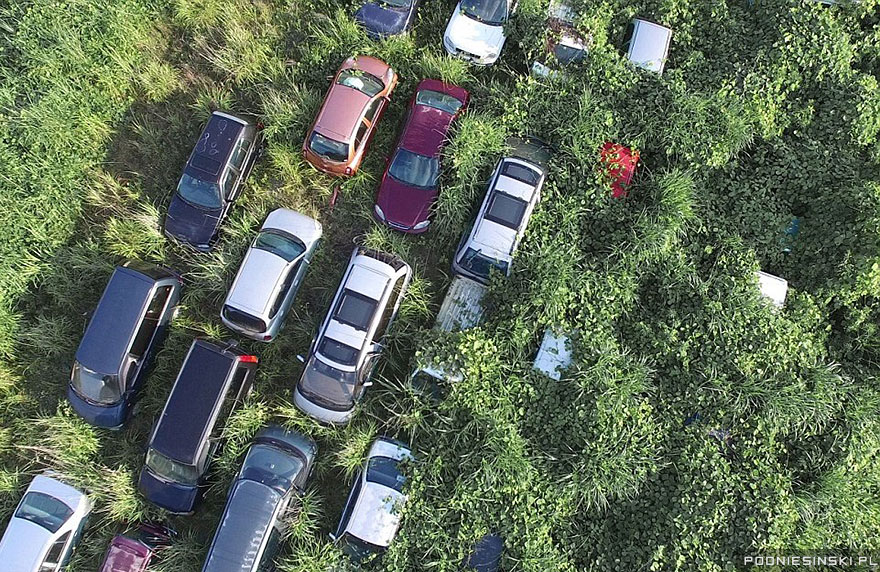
{"type": "Point", "coordinates": [696, 425]}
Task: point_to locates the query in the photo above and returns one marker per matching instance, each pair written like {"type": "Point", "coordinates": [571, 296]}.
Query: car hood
{"type": "Point", "coordinates": [23, 545]}
{"type": "Point", "coordinates": [403, 204]}
{"type": "Point", "coordinates": [472, 36]}
{"type": "Point", "coordinates": [189, 223]}
{"type": "Point", "coordinates": [173, 497]}
{"type": "Point", "coordinates": [383, 20]}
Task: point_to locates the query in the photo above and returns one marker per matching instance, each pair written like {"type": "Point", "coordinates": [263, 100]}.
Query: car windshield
{"type": "Point", "coordinates": [199, 193]}
{"type": "Point", "coordinates": [365, 83]}
{"type": "Point", "coordinates": [479, 264]}
{"type": "Point", "coordinates": [338, 352]}
{"type": "Point", "coordinates": [271, 466]}
{"type": "Point", "coordinates": [280, 243]}
{"type": "Point", "coordinates": [493, 12]}
{"type": "Point", "coordinates": [40, 508]}
{"type": "Point", "coordinates": [396, 3]}
{"type": "Point", "coordinates": [437, 100]}
{"type": "Point", "coordinates": [569, 54]}
{"type": "Point", "coordinates": [356, 549]}
{"type": "Point", "coordinates": [328, 386]}
{"type": "Point", "coordinates": [96, 387]}
{"type": "Point", "coordinates": [414, 169]}
{"type": "Point", "coordinates": [520, 173]}
{"type": "Point", "coordinates": [383, 470]}
{"type": "Point", "coordinates": [355, 310]}
{"type": "Point", "coordinates": [171, 470]}
{"type": "Point", "coordinates": [330, 149]}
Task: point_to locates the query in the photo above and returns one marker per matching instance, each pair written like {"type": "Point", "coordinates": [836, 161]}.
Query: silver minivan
{"type": "Point", "coordinates": [271, 274]}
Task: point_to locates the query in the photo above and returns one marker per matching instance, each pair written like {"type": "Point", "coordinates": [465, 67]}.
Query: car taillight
{"type": "Point", "coordinates": [249, 359]}
{"type": "Point", "coordinates": [267, 337]}
{"type": "Point", "coordinates": [348, 171]}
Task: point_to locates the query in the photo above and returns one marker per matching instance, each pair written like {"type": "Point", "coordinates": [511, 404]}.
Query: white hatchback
{"type": "Point", "coordinates": [475, 31]}
{"type": "Point", "coordinates": [45, 527]}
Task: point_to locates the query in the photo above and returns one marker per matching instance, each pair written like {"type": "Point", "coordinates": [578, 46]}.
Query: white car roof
{"type": "Point", "coordinates": [773, 287]}
{"type": "Point", "coordinates": [305, 228]}
{"type": "Point", "coordinates": [554, 354]}
{"type": "Point", "coordinates": [649, 45]}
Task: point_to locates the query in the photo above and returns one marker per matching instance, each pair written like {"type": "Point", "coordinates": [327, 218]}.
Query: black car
{"type": "Point", "coordinates": [382, 18]}
{"type": "Point", "coordinates": [213, 381]}
{"type": "Point", "coordinates": [212, 179]}
{"type": "Point", "coordinates": [272, 477]}
{"type": "Point", "coordinates": [123, 334]}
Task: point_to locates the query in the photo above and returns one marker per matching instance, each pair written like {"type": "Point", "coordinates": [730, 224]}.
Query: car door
{"type": "Point", "coordinates": [142, 346]}
{"type": "Point", "coordinates": [371, 116]}
{"type": "Point", "coordinates": [239, 161]}
{"type": "Point", "coordinates": [55, 556]}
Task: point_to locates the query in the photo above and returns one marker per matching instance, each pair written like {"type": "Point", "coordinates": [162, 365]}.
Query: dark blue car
{"type": "Point", "coordinates": [486, 556]}
{"type": "Point", "coordinates": [382, 18]}
{"type": "Point", "coordinates": [212, 179]}
{"type": "Point", "coordinates": [214, 380]}
{"type": "Point", "coordinates": [123, 334]}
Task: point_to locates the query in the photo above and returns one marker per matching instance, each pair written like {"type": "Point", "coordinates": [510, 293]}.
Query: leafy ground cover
{"type": "Point", "coordinates": [696, 425]}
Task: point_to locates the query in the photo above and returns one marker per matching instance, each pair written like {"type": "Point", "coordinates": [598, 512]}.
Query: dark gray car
{"type": "Point", "coordinates": [272, 477]}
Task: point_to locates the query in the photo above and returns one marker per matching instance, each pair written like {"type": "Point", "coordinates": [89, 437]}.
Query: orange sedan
{"type": "Point", "coordinates": [337, 141]}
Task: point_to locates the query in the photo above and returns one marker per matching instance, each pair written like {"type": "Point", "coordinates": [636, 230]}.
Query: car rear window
{"type": "Point", "coordinates": [362, 81]}
{"type": "Point", "coordinates": [42, 509]}
{"type": "Point", "coordinates": [337, 351]}
{"type": "Point", "coordinates": [437, 100]}
{"type": "Point", "coordinates": [280, 243]}
{"type": "Point", "coordinates": [330, 149]}
{"type": "Point", "coordinates": [506, 210]}
{"type": "Point", "coordinates": [520, 173]}
{"type": "Point", "coordinates": [384, 471]}
{"type": "Point", "coordinates": [355, 309]}
{"type": "Point", "coordinates": [243, 319]}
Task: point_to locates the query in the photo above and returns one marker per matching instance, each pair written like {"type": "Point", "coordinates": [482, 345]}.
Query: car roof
{"type": "Point", "coordinates": [486, 554]}
{"type": "Point", "coordinates": [649, 44]}
{"type": "Point", "coordinates": [496, 238]}
{"type": "Point", "coordinates": [198, 391]}
{"type": "Point", "coordinates": [214, 146]}
{"type": "Point", "coordinates": [126, 555]}
{"type": "Point", "coordinates": [107, 337]}
{"type": "Point", "coordinates": [243, 527]}
{"type": "Point", "coordinates": [260, 273]}
{"type": "Point", "coordinates": [341, 112]}
{"type": "Point", "coordinates": [426, 130]}
{"type": "Point", "coordinates": [301, 226]}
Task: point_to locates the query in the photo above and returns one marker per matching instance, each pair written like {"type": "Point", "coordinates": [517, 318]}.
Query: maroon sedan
{"type": "Point", "coordinates": [409, 185]}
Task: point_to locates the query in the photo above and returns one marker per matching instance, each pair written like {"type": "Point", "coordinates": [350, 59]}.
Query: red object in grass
{"type": "Point", "coordinates": [620, 164]}
{"type": "Point", "coordinates": [248, 359]}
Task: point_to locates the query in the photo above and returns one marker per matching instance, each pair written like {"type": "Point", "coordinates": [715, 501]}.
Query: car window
{"type": "Point", "coordinates": [284, 290]}
{"type": "Point", "coordinates": [272, 545]}
{"type": "Point", "coordinates": [227, 184]}
{"type": "Point", "coordinates": [437, 100]}
{"type": "Point", "coordinates": [506, 210]}
{"type": "Point", "coordinates": [627, 36]}
{"type": "Point", "coordinates": [349, 506]}
{"type": "Point", "coordinates": [238, 381]}
{"type": "Point", "coordinates": [280, 243]}
{"type": "Point", "coordinates": [199, 193]}
{"type": "Point", "coordinates": [150, 322]}
{"type": "Point", "coordinates": [360, 80]}
{"type": "Point", "coordinates": [45, 510]}
{"type": "Point", "coordinates": [328, 148]}
{"type": "Point", "coordinates": [239, 153]}
{"type": "Point", "coordinates": [244, 320]}
{"type": "Point", "coordinates": [271, 466]}
{"type": "Point", "coordinates": [372, 110]}
{"type": "Point", "coordinates": [384, 471]}
{"type": "Point", "coordinates": [414, 169]}
{"type": "Point", "coordinates": [388, 313]}
{"type": "Point", "coordinates": [520, 173]}
{"type": "Point", "coordinates": [493, 12]}
{"type": "Point", "coordinates": [337, 351]}
{"type": "Point", "coordinates": [170, 469]}
{"type": "Point", "coordinates": [53, 557]}
{"type": "Point", "coordinates": [361, 133]}
{"type": "Point", "coordinates": [479, 264]}
{"type": "Point", "coordinates": [157, 303]}
{"type": "Point", "coordinates": [355, 310]}
{"type": "Point", "coordinates": [96, 387]}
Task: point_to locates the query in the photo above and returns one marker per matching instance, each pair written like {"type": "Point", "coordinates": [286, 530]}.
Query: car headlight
{"type": "Point", "coordinates": [379, 212]}
{"type": "Point", "coordinates": [421, 225]}
{"type": "Point", "coordinates": [447, 43]}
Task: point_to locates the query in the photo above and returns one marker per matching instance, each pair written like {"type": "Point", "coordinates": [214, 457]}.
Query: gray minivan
{"type": "Point", "coordinates": [123, 334]}
{"type": "Point", "coordinates": [272, 476]}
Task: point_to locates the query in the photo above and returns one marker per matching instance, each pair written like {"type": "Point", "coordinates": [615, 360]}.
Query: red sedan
{"type": "Point", "coordinates": [409, 185]}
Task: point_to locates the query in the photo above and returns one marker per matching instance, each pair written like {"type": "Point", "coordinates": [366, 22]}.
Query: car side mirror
{"type": "Point", "coordinates": [300, 358]}
{"type": "Point", "coordinates": [368, 384]}
{"type": "Point", "coordinates": [333, 537]}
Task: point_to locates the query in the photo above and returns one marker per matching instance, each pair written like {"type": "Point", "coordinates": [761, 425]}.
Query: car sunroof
{"type": "Point", "coordinates": [355, 309]}
{"type": "Point", "coordinates": [506, 210]}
